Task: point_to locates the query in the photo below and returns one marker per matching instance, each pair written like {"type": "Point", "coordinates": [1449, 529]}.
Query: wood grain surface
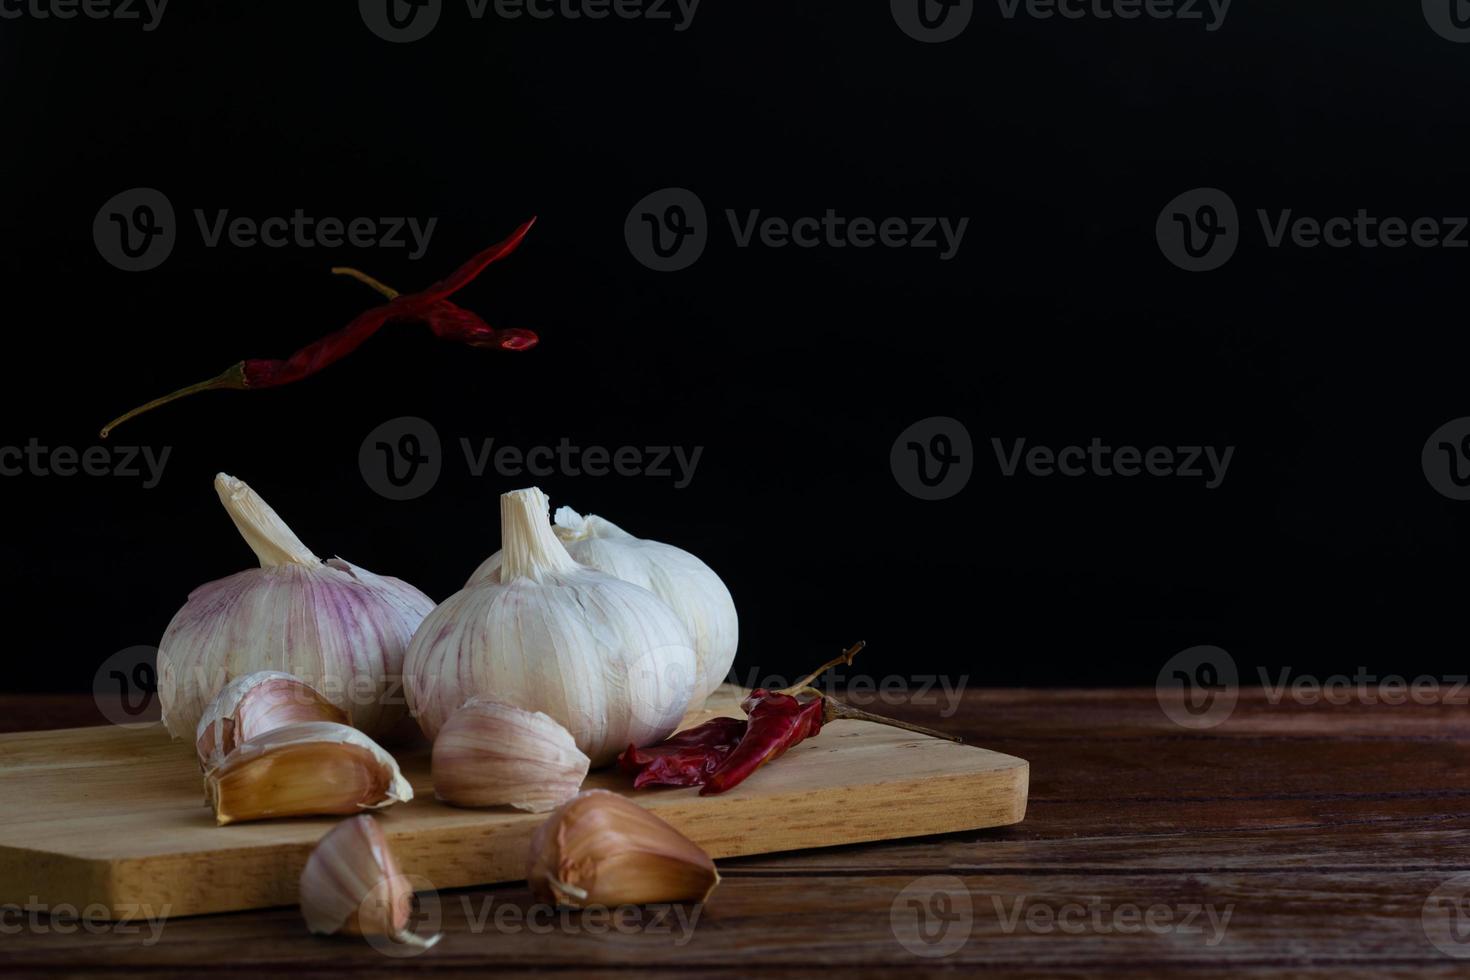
{"type": "Point", "coordinates": [1334, 836]}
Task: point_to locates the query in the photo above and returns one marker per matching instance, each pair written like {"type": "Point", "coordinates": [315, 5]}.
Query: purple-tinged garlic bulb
{"type": "Point", "coordinates": [339, 628]}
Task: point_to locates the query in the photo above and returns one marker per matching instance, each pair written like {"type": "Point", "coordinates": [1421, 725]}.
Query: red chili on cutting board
{"type": "Point", "coordinates": [723, 752]}
{"type": "Point", "coordinates": [431, 306]}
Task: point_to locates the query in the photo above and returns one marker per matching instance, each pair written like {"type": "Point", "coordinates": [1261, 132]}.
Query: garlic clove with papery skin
{"type": "Point", "coordinates": [257, 703]}
{"type": "Point", "coordinates": [352, 884]}
{"type": "Point", "coordinates": [307, 769]}
{"type": "Point", "coordinates": [608, 660]}
{"type": "Point", "coordinates": [491, 754]}
{"type": "Point", "coordinates": [339, 628]}
{"type": "Point", "coordinates": [601, 849]}
{"type": "Point", "coordinates": [689, 586]}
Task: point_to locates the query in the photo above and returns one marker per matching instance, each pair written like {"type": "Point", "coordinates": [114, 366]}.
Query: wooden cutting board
{"type": "Point", "coordinates": [114, 816]}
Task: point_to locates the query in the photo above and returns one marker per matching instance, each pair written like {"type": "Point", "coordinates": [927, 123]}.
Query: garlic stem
{"type": "Point", "coordinates": [268, 536]}
{"type": "Point", "coordinates": [529, 546]}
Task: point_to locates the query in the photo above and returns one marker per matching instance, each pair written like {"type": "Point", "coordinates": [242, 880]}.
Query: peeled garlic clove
{"type": "Point", "coordinates": [339, 628]}
{"type": "Point", "coordinates": [601, 849]}
{"type": "Point", "coordinates": [689, 586]}
{"type": "Point", "coordinates": [490, 753]}
{"type": "Point", "coordinates": [252, 705]}
{"type": "Point", "coordinates": [351, 884]}
{"type": "Point", "coordinates": [311, 768]}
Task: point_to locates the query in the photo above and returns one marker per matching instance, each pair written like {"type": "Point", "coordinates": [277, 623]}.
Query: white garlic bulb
{"type": "Point", "coordinates": [606, 659]}
{"type": "Point", "coordinates": [687, 584]}
{"type": "Point", "coordinates": [339, 628]}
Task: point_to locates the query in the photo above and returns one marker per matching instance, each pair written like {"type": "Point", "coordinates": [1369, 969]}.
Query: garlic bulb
{"type": "Point", "coordinates": [600, 849]}
{"type": "Point", "coordinates": [255, 704]}
{"type": "Point", "coordinates": [339, 628]}
{"type": "Point", "coordinates": [312, 768]}
{"type": "Point", "coordinates": [351, 884]}
{"type": "Point", "coordinates": [491, 754]}
{"type": "Point", "coordinates": [608, 660]}
{"type": "Point", "coordinates": [687, 584]}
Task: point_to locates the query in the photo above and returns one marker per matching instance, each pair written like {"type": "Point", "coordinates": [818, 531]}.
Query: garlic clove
{"type": "Point", "coordinates": [257, 703]}
{"type": "Point", "coordinates": [490, 753]}
{"type": "Point", "coordinates": [352, 884]}
{"type": "Point", "coordinates": [306, 769]}
{"type": "Point", "coordinates": [601, 849]}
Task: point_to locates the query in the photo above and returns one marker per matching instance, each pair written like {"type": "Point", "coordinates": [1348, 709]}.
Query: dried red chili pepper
{"type": "Point", "coordinates": [431, 305]}
{"type": "Point", "coordinates": [686, 758]}
{"type": "Point", "coordinates": [777, 720]}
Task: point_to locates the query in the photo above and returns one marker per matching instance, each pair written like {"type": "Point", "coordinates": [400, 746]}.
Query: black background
{"type": "Point", "coordinates": [794, 369]}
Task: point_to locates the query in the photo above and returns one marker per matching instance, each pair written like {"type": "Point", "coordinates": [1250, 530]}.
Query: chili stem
{"type": "Point", "coordinates": [835, 710]}
{"type": "Point", "coordinates": [366, 280]}
{"type": "Point", "coordinates": [234, 378]}
{"type": "Point", "coordinates": [845, 659]}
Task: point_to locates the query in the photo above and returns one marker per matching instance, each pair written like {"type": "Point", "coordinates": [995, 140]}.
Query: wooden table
{"type": "Point", "coordinates": [1312, 840]}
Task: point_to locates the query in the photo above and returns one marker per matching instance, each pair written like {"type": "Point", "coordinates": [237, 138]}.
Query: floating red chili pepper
{"type": "Point", "coordinates": [723, 752]}
{"type": "Point", "coordinates": [432, 306]}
